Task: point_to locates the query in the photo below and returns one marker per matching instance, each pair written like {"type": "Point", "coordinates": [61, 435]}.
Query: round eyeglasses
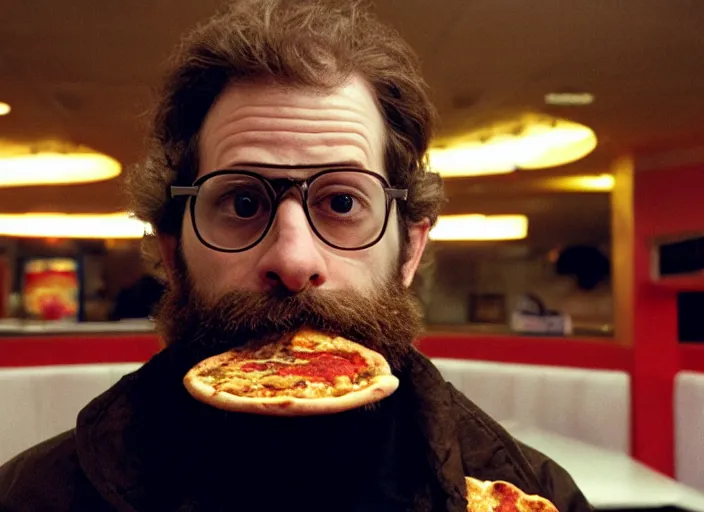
{"type": "Point", "coordinates": [233, 210]}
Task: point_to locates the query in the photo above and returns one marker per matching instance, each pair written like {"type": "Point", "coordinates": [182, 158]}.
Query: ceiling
{"type": "Point", "coordinates": [83, 71]}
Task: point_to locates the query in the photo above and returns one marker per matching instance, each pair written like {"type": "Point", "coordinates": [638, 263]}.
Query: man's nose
{"type": "Point", "coordinates": [293, 258]}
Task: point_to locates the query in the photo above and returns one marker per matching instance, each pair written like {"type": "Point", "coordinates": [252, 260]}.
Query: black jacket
{"type": "Point", "coordinates": [146, 445]}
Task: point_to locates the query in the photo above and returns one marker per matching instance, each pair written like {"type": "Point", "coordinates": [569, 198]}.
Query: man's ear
{"type": "Point", "coordinates": [417, 240]}
{"type": "Point", "coordinates": [168, 245]}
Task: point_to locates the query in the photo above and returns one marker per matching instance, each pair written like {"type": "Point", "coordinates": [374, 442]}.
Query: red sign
{"type": "Point", "coordinates": [51, 288]}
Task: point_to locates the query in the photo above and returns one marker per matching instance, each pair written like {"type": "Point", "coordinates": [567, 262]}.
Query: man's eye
{"type": "Point", "coordinates": [241, 203]}
{"type": "Point", "coordinates": [246, 205]}
{"type": "Point", "coordinates": [342, 203]}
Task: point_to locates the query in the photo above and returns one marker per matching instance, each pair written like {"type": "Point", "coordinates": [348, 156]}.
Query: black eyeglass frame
{"type": "Point", "coordinates": [285, 184]}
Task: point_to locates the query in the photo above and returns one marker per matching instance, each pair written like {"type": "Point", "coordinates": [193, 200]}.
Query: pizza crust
{"type": "Point", "coordinates": [377, 387]}
{"type": "Point", "coordinates": [495, 496]}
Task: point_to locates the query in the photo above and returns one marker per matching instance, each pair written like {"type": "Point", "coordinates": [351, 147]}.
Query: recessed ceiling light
{"type": "Point", "coordinates": [22, 165]}
{"type": "Point", "coordinates": [540, 143]}
{"type": "Point", "coordinates": [582, 183]}
{"type": "Point", "coordinates": [62, 225]}
{"type": "Point", "coordinates": [569, 98]}
{"type": "Point", "coordinates": [477, 227]}
{"type": "Point", "coordinates": [4, 109]}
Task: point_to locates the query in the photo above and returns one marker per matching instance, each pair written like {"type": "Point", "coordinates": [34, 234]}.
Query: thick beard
{"type": "Point", "coordinates": [386, 320]}
{"type": "Point", "coordinates": [357, 443]}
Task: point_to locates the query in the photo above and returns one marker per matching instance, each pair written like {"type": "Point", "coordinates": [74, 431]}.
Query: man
{"type": "Point", "coordinates": [287, 185]}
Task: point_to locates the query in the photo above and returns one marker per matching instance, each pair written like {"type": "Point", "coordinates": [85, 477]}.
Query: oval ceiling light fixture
{"type": "Point", "coordinates": [4, 108]}
{"type": "Point", "coordinates": [594, 183]}
{"type": "Point", "coordinates": [536, 142]}
{"type": "Point", "coordinates": [555, 144]}
{"type": "Point", "coordinates": [480, 228]}
{"type": "Point", "coordinates": [53, 164]}
{"type": "Point", "coordinates": [569, 99]}
{"type": "Point", "coordinates": [69, 225]}
{"type": "Point", "coordinates": [475, 158]}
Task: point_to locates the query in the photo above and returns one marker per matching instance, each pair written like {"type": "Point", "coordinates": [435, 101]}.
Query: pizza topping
{"type": "Point", "coordinates": [315, 366]}
{"type": "Point", "coordinates": [306, 366]}
{"type": "Point", "coordinates": [509, 495]}
{"type": "Point", "coordinates": [255, 367]}
{"type": "Point", "coordinates": [326, 366]}
{"type": "Point", "coordinates": [295, 372]}
{"type": "Point", "coordinates": [498, 496]}
{"type": "Point", "coordinates": [216, 373]}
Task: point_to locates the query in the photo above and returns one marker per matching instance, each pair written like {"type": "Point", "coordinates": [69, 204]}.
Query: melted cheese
{"type": "Point", "coordinates": [239, 378]}
{"type": "Point", "coordinates": [488, 496]}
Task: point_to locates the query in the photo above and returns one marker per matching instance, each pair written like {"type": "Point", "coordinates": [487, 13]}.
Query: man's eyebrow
{"type": "Point", "coordinates": [351, 164]}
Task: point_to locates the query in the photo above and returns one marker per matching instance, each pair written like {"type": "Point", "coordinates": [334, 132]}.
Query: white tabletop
{"type": "Point", "coordinates": [610, 480]}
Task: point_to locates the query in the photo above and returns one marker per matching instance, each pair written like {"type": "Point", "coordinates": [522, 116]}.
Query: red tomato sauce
{"type": "Point", "coordinates": [321, 366]}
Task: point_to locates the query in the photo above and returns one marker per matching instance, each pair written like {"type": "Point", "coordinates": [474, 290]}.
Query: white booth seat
{"type": "Point", "coordinates": [592, 406]}
{"type": "Point", "coordinates": [37, 403]}
{"type": "Point", "coordinates": [689, 429]}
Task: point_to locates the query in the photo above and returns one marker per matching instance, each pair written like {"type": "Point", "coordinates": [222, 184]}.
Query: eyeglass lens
{"type": "Point", "coordinates": [346, 209]}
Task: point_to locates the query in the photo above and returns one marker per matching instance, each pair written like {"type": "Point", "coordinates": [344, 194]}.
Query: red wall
{"type": "Point", "coordinates": [84, 349]}
{"type": "Point", "coordinates": [598, 354]}
{"type": "Point", "coordinates": [667, 201]}
{"type": "Point", "coordinates": [692, 358]}
{"type": "Point", "coordinates": [4, 286]}
{"type": "Point", "coordinates": [77, 349]}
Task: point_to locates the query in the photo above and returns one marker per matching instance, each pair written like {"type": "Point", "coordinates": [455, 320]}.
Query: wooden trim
{"type": "Point", "coordinates": [622, 250]}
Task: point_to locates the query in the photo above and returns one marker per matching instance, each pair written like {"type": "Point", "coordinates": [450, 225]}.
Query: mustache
{"type": "Point", "coordinates": [385, 320]}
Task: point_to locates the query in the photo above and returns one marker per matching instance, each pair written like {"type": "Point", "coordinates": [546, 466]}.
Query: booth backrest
{"type": "Point", "coordinates": [689, 429]}
{"type": "Point", "coordinates": [37, 403]}
{"type": "Point", "coordinates": [593, 406]}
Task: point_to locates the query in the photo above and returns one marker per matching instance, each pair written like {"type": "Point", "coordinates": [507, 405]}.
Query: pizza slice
{"type": "Point", "coordinates": [498, 496]}
{"type": "Point", "coordinates": [310, 373]}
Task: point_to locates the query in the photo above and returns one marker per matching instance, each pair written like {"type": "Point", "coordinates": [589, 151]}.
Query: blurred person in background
{"type": "Point", "coordinates": [282, 95]}
{"type": "Point", "coordinates": [138, 300]}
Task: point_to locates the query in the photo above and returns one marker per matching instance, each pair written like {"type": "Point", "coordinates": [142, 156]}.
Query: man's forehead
{"type": "Point", "coordinates": [295, 168]}
{"type": "Point", "coordinates": [285, 126]}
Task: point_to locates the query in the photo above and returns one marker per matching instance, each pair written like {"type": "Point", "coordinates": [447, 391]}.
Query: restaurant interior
{"type": "Point", "coordinates": [563, 290]}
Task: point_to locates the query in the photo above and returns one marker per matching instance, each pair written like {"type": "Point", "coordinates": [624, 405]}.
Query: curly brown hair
{"type": "Point", "coordinates": [307, 43]}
